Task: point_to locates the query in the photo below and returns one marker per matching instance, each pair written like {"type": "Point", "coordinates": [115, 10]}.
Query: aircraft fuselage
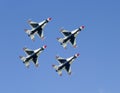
{"type": "Point", "coordinates": [35, 54]}
{"type": "Point", "coordinates": [66, 63]}
{"type": "Point", "coordinates": [71, 35]}
{"type": "Point", "coordinates": [39, 27]}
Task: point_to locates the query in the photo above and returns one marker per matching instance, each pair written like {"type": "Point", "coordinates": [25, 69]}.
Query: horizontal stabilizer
{"type": "Point", "coordinates": [60, 72]}
{"type": "Point", "coordinates": [56, 69]}
{"type": "Point", "coordinates": [27, 31]}
{"type": "Point", "coordinates": [27, 64]}
{"type": "Point", "coordinates": [32, 37]}
{"type": "Point", "coordinates": [22, 58]}
{"type": "Point", "coordinates": [61, 40]}
{"type": "Point", "coordinates": [29, 34]}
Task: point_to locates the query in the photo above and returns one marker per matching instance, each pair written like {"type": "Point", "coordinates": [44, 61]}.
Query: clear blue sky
{"type": "Point", "coordinates": [97, 70]}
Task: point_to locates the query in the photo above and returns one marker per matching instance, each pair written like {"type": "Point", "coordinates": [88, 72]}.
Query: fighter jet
{"type": "Point", "coordinates": [37, 28]}
{"type": "Point", "coordinates": [64, 64]}
{"type": "Point", "coordinates": [31, 56]}
{"type": "Point", "coordinates": [69, 37]}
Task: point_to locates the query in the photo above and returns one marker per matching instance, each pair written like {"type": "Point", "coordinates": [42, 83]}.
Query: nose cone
{"type": "Point", "coordinates": [77, 54]}
{"type": "Point", "coordinates": [44, 46]}
{"type": "Point", "coordinates": [82, 27]}
{"type": "Point", "coordinates": [49, 19]}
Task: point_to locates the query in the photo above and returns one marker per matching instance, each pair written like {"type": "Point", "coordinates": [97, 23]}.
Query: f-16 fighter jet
{"type": "Point", "coordinates": [31, 56]}
{"type": "Point", "coordinates": [37, 28]}
{"type": "Point", "coordinates": [64, 64]}
{"type": "Point", "coordinates": [69, 37]}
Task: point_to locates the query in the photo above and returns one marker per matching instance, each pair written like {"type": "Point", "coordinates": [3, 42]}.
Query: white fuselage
{"type": "Point", "coordinates": [35, 54]}
{"type": "Point", "coordinates": [73, 34]}
{"type": "Point", "coordinates": [68, 61]}
{"type": "Point", "coordinates": [39, 27]}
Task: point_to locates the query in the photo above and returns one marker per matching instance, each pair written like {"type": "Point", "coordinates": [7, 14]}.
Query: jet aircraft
{"type": "Point", "coordinates": [69, 37]}
{"type": "Point", "coordinates": [37, 28]}
{"type": "Point", "coordinates": [32, 55]}
{"type": "Point", "coordinates": [64, 64]}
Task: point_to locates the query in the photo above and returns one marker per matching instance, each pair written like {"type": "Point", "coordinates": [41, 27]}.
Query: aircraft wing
{"type": "Point", "coordinates": [40, 33]}
{"type": "Point", "coordinates": [65, 32]}
{"type": "Point", "coordinates": [33, 24]}
{"type": "Point", "coordinates": [76, 34]}
{"type": "Point", "coordinates": [73, 41]}
{"type": "Point", "coordinates": [68, 68]}
{"type": "Point", "coordinates": [35, 60]}
{"type": "Point", "coordinates": [28, 51]}
{"type": "Point", "coordinates": [60, 59]}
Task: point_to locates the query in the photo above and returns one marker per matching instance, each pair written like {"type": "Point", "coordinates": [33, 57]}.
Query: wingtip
{"type": "Point", "coordinates": [57, 38]}
{"type": "Point", "coordinates": [37, 65]}
{"type": "Point", "coordinates": [61, 29]}
{"type": "Point", "coordinates": [25, 30]}
{"type": "Point", "coordinates": [20, 57]}
{"type": "Point", "coordinates": [75, 46]}
{"type": "Point", "coordinates": [33, 40]}
{"type": "Point", "coordinates": [65, 47]}
{"type": "Point", "coordinates": [70, 73]}
{"type": "Point", "coordinates": [43, 38]}
{"type": "Point", "coordinates": [29, 21]}
{"type": "Point", "coordinates": [28, 66]}
{"type": "Point", "coordinates": [57, 57]}
{"type": "Point", "coordinates": [60, 74]}
{"type": "Point", "coordinates": [24, 48]}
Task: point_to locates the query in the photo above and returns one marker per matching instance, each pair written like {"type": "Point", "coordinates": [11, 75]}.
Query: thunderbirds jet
{"type": "Point", "coordinates": [64, 64]}
{"type": "Point", "coordinates": [31, 56]}
{"type": "Point", "coordinates": [37, 28]}
{"type": "Point", "coordinates": [69, 37]}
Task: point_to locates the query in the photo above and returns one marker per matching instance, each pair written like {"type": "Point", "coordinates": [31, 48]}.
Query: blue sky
{"type": "Point", "coordinates": [95, 71]}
